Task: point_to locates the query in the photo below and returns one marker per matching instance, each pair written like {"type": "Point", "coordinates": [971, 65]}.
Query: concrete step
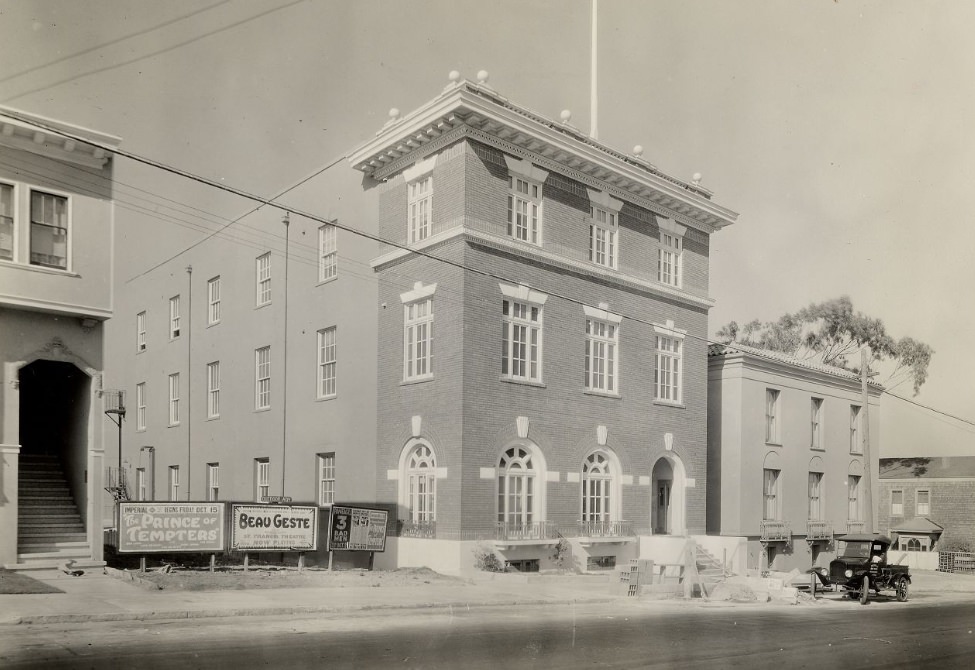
{"type": "Point", "coordinates": [74, 531]}
{"type": "Point", "coordinates": [56, 549]}
{"type": "Point", "coordinates": [48, 508]}
{"type": "Point", "coordinates": [39, 520]}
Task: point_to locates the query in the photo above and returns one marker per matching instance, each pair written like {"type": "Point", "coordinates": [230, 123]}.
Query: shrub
{"type": "Point", "coordinates": [485, 559]}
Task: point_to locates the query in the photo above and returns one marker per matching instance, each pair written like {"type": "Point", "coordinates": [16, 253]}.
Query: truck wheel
{"type": "Point", "coordinates": [865, 590]}
{"type": "Point", "coordinates": [903, 586]}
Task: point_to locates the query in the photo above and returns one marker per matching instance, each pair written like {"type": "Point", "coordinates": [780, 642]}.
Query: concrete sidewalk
{"type": "Point", "coordinates": [100, 597]}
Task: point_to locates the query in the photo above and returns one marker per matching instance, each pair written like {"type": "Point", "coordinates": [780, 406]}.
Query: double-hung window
{"type": "Point", "coordinates": [669, 253]}
{"type": "Point", "coordinates": [521, 341]}
{"type": "Point", "coordinates": [140, 406]}
{"type": "Point", "coordinates": [140, 483]}
{"type": "Point", "coordinates": [213, 301]}
{"type": "Point", "coordinates": [174, 399]}
{"type": "Point", "coordinates": [174, 482]}
{"type": "Point", "coordinates": [174, 317]}
{"type": "Point", "coordinates": [856, 442]}
{"type": "Point", "coordinates": [262, 378]}
{"type": "Point", "coordinates": [326, 479]}
{"type": "Point", "coordinates": [326, 363]}
{"type": "Point", "coordinates": [602, 238]}
{"type": "Point", "coordinates": [263, 274]}
{"type": "Point", "coordinates": [6, 222]}
{"type": "Point", "coordinates": [213, 390]}
{"type": "Point", "coordinates": [815, 496]}
{"type": "Point", "coordinates": [327, 253]}
{"type": "Point", "coordinates": [213, 481]}
{"type": "Point", "coordinates": [140, 331]}
{"type": "Point", "coordinates": [897, 503]}
{"type": "Point", "coordinates": [772, 416]}
{"type": "Point", "coordinates": [262, 479]}
{"type": "Point", "coordinates": [816, 423]}
{"type": "Point", "coordinates": [602, 351]}
{"type": "Point", "coordinates": [420, 203]}
{"type": "Point", "coordinates": [48, 230]}
{"type": "Point", "coordinates": [771, 495]}
{"type": "Point", "coordinates": [668, 369]}
{"type": "Point", "coordinates": [525, 200]}
{"type": "Point", "coordinates": [923, 503]}
{"type": "Point", "coordinates": [418, 339]}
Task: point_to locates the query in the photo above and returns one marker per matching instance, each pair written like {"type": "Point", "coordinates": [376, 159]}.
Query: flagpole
{"type": "Point", "coordinates": [594, 128]}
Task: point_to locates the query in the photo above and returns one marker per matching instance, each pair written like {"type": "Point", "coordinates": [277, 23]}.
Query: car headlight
{"type": "Point", "coordinates": [848, 573]}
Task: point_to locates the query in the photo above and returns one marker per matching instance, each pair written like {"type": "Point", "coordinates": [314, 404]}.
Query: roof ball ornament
{"type": "Point", "coordinates": [638, 150]}
{"type": "Point", "coordinates": [482, 77]}
{"type": "Point", "coordinates": [566, 115]}
{"type": "Point", "coordinates": [454, 76]}
{"type": "Point", "coordinates": [393, 114]}
{"type": "Point", "coordinates": [696, 178]}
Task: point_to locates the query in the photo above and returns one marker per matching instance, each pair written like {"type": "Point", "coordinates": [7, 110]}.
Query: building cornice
{"type": "Point", "coordinates": [474, 111]}
{"type": "Point", "coordinates": [53, 307]}
{"type": "Point", "coordinates": [18, 132]}
{"type": "Point", "coordinates": [841, 378]}
{"type": "Point", "coordinates": [538, 255]}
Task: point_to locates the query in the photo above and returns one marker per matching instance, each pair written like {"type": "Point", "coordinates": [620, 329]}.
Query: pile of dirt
{"type": "Point", "coordinates": [201, 579]}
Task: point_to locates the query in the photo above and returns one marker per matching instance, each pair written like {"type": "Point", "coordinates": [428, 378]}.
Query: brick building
{"type": "Point", "coordinates": [927, 502]}
{"type": "Point", "coordinates": [542, 358]}
{"type": "Point", "coordinates": [57, 216]}
{"type": "Point", "coordinates": [786, 462]}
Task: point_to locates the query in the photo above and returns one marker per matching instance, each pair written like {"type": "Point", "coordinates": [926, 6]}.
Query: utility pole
{"type": "Point", "coordinates": [594, 88]}
{"type": "Point", "coordinates": [284, 360]}
{"type": "Point", "coordinates": [868, 468]}
{"type": "Point", "coordinates": [189, 382]}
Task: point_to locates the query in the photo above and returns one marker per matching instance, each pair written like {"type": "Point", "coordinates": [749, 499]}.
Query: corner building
{"type": "Point", "coordinates": [542, 324]}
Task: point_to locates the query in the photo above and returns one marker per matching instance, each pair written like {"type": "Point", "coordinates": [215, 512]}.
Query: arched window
{"type": "Point", "coordinates": [421, 483]}
{"type": "Point", "coordinates": [913, 544]}
{"type": "Point", "coordinates": [516, 487]}
{"type": "Point", "coordinates": [597, 484]}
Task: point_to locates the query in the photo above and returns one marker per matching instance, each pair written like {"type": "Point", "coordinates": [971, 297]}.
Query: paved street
{"type": "Point", "coordinates": [623, 634]}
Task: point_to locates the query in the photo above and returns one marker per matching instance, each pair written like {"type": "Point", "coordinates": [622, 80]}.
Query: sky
{"type": "Point", "coordinates": [835, 128]}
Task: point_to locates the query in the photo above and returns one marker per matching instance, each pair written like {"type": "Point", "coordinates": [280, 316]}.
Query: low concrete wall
{"type": "Point", "coordinates": [9, 466]}
{"type": "Point", "coordinates": [449, 557]}
{"type": "Point", "coordinates": [918, 560]}
{"type": "Point", "coordinates": [732, 551]}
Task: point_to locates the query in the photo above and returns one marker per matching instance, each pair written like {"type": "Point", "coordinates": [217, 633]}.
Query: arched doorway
{"type": "Point", "coordinates": [54, 408]}
{"type": "Point", "coordinates": [668, 483]}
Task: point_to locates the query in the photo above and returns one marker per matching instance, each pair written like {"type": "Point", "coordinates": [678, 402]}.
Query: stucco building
{"type": "Point", "coordinates": [56, 235]}
{"type": "Point", "coordinates": [786, 457]}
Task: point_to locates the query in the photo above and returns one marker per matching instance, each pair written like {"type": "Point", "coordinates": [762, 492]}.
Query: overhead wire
{"type": "Point", "coordinates": [371, 236]}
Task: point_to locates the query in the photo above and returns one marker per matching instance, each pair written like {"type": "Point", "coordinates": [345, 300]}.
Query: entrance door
{"type": "Point", "coordinates": [663, 507]}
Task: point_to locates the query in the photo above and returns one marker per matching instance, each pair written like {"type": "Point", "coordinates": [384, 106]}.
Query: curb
{"type": "Point", "coordinates": [41, 619]}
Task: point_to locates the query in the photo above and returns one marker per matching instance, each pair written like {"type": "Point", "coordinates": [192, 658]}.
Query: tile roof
{"type": "Point", "coordinates": [734, 347]}
{"type": "Point", "coordinates": [918, 525]}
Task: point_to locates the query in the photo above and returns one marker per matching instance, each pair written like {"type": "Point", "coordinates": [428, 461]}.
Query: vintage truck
{"type": "Point", "coordinates": [862, 566]}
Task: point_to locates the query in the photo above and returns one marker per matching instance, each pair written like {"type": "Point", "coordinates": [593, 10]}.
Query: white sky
{"type": "Point", "coordinates": [838, 130]}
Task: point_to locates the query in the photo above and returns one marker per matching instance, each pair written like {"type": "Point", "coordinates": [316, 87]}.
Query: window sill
{"type": "Point", "coordinates": [771, 443]}
{"type": "Point", "coordinates": [821, 449]}
{"type": "Point", "coordinates": [211, 325]}
{"type": "Point", "coordinates": [173, 425]}
{"type": "Point", "coordinates": [668, 403]}
{"type": "Point", "coordinates": [416, 380]}
{"type": "Point", "coordinates": [262, 305]}
{"type": "Point", "coordinates": [140, 430]}
{"type": "Point", "coordinates": [40, 268]}
{"type": "Point", "coordinates": [324, 398]}
{"type": "Point", "coordinates": [262, 409]}
{"type": "Point", "coordinates": [329, 280]}
{"type": "Point", "coordinates": [523, 382]}
{"type": "Point", "coordinates": [213, 418]}
{"type": "Point", "coordinates": [602, 394]}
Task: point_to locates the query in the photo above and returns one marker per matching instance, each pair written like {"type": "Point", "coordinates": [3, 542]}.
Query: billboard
{"type": "Point", "coordinates": [274, 528]}
{"type": "Point", "coordinates": [171, 527]}
{"type": "Point", "coordinates": [357, 529]}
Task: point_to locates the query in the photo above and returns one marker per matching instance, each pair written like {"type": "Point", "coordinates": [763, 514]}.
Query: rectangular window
{"type": "Point", "coordinates": [669, 260]}
{"type": "Point", "coordinates": [326, 363]}
{"type": "Point", "coordinates": [326, 479]}
{"type": "Point", "coordinates": [174, 399]}
{"type": "Point", "coordinates": [524, 210]}
{"type": "Point", "coordinates": [140, 331]}
{"type": "Point", "coordinates": [174, 317]}
{"type": "Point", "coordinates": [140, 406]}
{"type": "Point", "coordinates": [521, 341]}
{"type": "Point", "coordinates": [263, 279]}
{"type": "Point", "coordinates": [897, 503]}
{"type": "Point", "coordinates": [923, 503]}
{"type": "Point", "coordinates": [213, 301]}
{"type": "Point", "coordinates": [213, 481]}
{"type": "Point", "coordinates": [262, 479]}
{"type": "Point", "coordinates": [174, 482]}
{"type": "Point", "coordinates": [669, 370]}
{"type": "Point", "coordinates": [602, 237]}
{"type": "Point", "coordinates": [6, 222]}
{"type": "Point", "coordinates": [140, 483]}
{"type": "Point", "coordinates": [856, 442]}
{"type": "Point", "coordinates": [420, 203]}
{"type": "Point", "coordinates": [772, 416]}
{"type": "Point", "coordinates": [213, 390]}
{"type": "Point", "coordinates": [418, 339]}
{"type": "Point", "coordinates": [327, 253]}
{"type": "Point", "coordinates": [48, 230]}
{"type": "Point", "coordinates": [262, 376]}
{"type": "Point", "coordinates": [815, 496]}
{"type": "Point", "coordinates": [602, 346]}
{"type": "Point", "coordinates": [816, 423]}
{"type": "Point", "coordinates": [771, 494]}
{"type": "Point", "coordinates": [853, 496]}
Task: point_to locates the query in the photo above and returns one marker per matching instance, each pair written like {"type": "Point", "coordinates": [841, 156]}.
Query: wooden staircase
{"type": "Point", "coordinates": [709, 569]}
{"type": "Point", "coordinates": [50, 530]}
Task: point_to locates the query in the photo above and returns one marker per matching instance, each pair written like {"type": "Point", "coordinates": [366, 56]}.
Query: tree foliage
{"type": "Point", "coordinates": [833, 332]}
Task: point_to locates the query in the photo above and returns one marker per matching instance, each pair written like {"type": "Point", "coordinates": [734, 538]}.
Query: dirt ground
{"type": "Point", "coordinates": [201, 579]}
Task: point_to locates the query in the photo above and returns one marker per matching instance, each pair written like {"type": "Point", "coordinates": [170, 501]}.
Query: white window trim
{"type": "Point", "coordinates": [173, 482]}
{"type": "Point", "coordinates": [816, 405]}
{"type": "Point", "coordinates": [69, 216]}
{"type": "Point", "coordinates": [856, 429]}
{"type": "Point", "coordinates": [775, 494]}
{"type": "Point", "coordinates": [328, 242]}
{"type": "Point", "coordinates": [419, 294]}
{"type": "Point", "coordinates": [525, 170]}
{"type": "Point", "coordinates": [174, 317]}
{"type": "Point", "coordinates": [213, 301]}
{"type": "Point", "coordinates": [258, 378]}
{"type": "Point", "coordinates": [614, 478]}
{"type": "Point", "coordinates": [324, 362]}
{"type": "Point", "coordinates": [918, 503]}
{"type": "Point", "coordinates": [213, 390]}
{"type": "Point", "coordinates": [603, 316]}
{"type": "Point", "coordinates": [140, 406]}
{"type": "Point", "coordinates": [819, 496]}
{"type": "Point", "coordinates": [406, 497]}
{"type": "Point", "coordinates": [263, 279]}
{"type": "Point", "coordinates": [600, 200]}
{"type": "Point", "coordinates": [773, 421]}
{"type": "Point", "coordinates": [213, 482]}
{"type": "Point", "coordinates": [141, 340]}
{"type": "Point", "coordinates": [671, 228]}
{"type": "Point", "coordinates": [420, 172]}
{"type": "Point", "coordinates": [174, 399]}
{"type": "Point", "coordinates": [893, 510]}
{"type": "Point", "coordinates": [322, 460]}
{"type": "Point", "coordinates": [262, 478]}
{"type": "Point", "coordinates": [668, 330]}
{"type": "Point", "coordinates": [523, 294]}
{"type": "Point", "coordinates": [15, 222]}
